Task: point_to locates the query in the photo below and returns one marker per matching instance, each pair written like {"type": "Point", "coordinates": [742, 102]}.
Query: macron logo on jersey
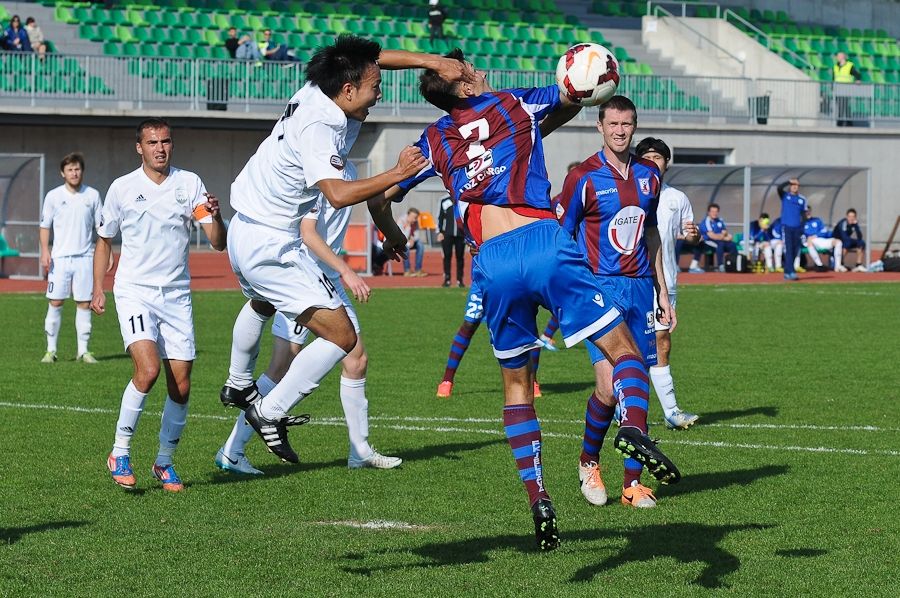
{"type": "Point", "coordinates": [603, 192]}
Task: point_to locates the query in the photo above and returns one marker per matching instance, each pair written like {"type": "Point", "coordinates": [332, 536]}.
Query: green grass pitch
{"type": "Point", "coordinates": [790, 477]}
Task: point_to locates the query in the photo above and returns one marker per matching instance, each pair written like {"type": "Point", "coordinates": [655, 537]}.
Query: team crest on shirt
{"type": "Point", "coordinates": [626, 228]}
{"type": "Point", "coordinates": [644, 184]}
{"type": "Point", "coordinates": [337, 162]}
{"type": "Point", "coordinates": [181, 196]}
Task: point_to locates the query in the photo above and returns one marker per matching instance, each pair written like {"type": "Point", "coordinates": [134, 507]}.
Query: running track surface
{"type": "Point", "coordinates": [210, 271]}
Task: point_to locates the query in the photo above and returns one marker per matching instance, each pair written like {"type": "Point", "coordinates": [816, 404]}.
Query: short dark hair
{"type": "Point", "coordinates": [852, 211]}
{"type": "Point", "coordinates": [29, 20]}
{"type": "Point", "coordinates": [652, 144]}
{"type": "Point", "coordinates": [151, 123]}
{"type": "Point", "coordinates": [413, 211]}
{"type": "Point", "coordinates": [764, 215]}
{"type": "Point", "coordinates": [438, 91]}
{"type": "Point", "coordinates": [73, 158]}
{"type": "Point", "coordinates": [712, 205]}
{"type": "Point", "coordinates": [617, 102]}
{"type": "Point", "coordinates": [345, 61]}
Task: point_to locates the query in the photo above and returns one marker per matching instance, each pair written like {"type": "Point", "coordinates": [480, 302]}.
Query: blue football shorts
{"type": "Point", "coordinates": [634, 298]}
{"type": "Point", "coordinates": [532, 266]}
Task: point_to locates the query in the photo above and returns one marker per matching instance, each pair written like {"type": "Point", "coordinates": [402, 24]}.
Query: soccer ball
{"type": "Point", "coordinates": [588, 74]}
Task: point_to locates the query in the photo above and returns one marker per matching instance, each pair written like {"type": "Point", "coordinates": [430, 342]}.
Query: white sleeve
{"type": "Point", "coordinates": [198, 203]}
{"type": "Point", "coordinates": [98, 209]}
{"type": "Point", "coordinates": [317, 209]}
{"type": "Point", "coordinates": [687, 212]}
{"type": "Point", "coordinates": [111, 214]}
{"type": "Point", "coordinates": [47, 212]}
{"type": "Point", "coordinates": [319, 155]}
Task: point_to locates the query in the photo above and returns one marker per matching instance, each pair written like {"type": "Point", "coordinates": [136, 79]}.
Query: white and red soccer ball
{"type": "Point", "coordinates": [588, 74]}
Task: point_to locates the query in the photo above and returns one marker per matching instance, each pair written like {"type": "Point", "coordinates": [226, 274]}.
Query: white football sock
{"type": "Point", "coordinates": [694, 265]}
{"type": "Point", "coordinates": [306, 371]}
{"type": "Point", "coordinates": [245, 338]}
{"type": "Point", "coordinates": [838, 253]}
{"type": "Point", "coordinates": [51, 326]}
{"type": "Point", "coordinates": [356, 413]}
{"type": "Point", "coordinates": [665, 388]}
{"type": "Point", "coordinates": [779, 252]}
{"type": "Point", "coordinates": [129, 414]}
{"type": "Point", "coordinates": [174, 417]}
{"type": "Point", "coordinates": [83, 329]}
{"type": "Point", "coordinates": [767, 253]}
{"type": "Point", "coordinates": [796, 263]}
{"type": "Point", "coordinates": [815, 255]}
{"type": "Point", "coordinates": [241, 433]}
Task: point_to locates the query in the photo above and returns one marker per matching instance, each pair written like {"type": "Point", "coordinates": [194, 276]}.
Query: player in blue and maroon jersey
{"type": "Point", "coordinates": [489, 155]}
{"type": "Point", "coordinates": [608, 205]}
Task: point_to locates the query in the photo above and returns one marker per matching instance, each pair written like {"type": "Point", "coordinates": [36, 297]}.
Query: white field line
{"type": "Point", "coordinates": [378, 524]}
{"type": "Point", "coordinates": [335, 421]}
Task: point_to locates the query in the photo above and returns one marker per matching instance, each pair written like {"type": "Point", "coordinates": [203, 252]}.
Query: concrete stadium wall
{"type": "Point", "coordinates": [218, 154]}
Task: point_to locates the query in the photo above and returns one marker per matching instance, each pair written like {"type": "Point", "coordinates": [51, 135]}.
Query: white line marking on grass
{"type": "Point", "coordinates": [334, 421]}
{"type": "Point", "coordinates": [378, 524]}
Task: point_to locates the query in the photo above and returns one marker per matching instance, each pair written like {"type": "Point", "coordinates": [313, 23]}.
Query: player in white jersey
{"type": "Point", "coordinates": [322, 229]}
{"type": "Point", "coordinates": [72, 212]}
{"type": "Point", "coordinates": [305, 155]}
{"type": "Point", "coordinates": [152, 207]}
{"type": "Point", "coordinates": [675, 219]}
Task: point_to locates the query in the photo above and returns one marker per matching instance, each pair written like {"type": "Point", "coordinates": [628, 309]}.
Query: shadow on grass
{"type": "Point", "coordinates": [450, 451]}
{"type": "Point", "coordinates": [722, 416]}
{"type": "Point", "coordinates": [11, 535]}
{"type": "Point", "coordinates": [717, 480]}
{"type": "Point", "coordinates": [562, 387]}
{"type": "Point", "coordinates": [684, 542]}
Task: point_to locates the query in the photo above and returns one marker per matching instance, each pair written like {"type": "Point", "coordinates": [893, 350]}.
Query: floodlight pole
{"type": "Point", "coordinates": [746, 218]}
{"type": "Point", "coordinates": [868, 234]}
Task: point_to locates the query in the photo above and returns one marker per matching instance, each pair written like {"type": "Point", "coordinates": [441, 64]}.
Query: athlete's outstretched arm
{"type": "Point", "coordinates": [566, 112]}
{"type": "Point", "coordinates": [450, 69]}
{"type": "Point", "coordinates": [341, 193]}
{"type": "Point", "coordinates": [380, 209]}
{"type": "Point", "coordinates": [315, 242]}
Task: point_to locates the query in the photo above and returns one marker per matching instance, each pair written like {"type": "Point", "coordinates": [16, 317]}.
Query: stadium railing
{"type": "Point", "coordinates": [141, 83]}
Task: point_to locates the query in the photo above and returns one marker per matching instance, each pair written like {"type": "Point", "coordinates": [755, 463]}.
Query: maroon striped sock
{"type": "Point", "coordinates": [597, 418]}
{"type": "Point", "coordinates": [457, 349]}
{"type": "Point", "coordinates": [524, 435]}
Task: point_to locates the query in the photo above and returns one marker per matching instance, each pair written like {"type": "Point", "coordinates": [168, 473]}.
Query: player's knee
{"type": "Point", "coordinates": [663, 345]}
{"type": "Point", "coordinates": [181, 392]}
{"type": "Point", "coordinates": [345, 339]}
{"type": "Point", "coordinates": [57, 303]}
{"type": "Point", "coordinates": [145, 376]}
{"type": "Point", "coordinates": [263, 308]}
{"type": "Point", "coordinates": [355, 366]}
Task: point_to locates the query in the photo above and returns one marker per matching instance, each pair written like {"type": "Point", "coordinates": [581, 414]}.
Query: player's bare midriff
{"type": "Point", "coordinates": [496, 220]}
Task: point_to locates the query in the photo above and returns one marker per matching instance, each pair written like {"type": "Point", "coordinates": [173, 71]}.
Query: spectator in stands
{"type": "Point", "coordinates": [714, 234]}
{"type": "Point", "coordinates": [451, 238]}
{"type": "Point", "coordinates": [409, 224]}
{"type": "Point", "coordinates": [436, 17]}
{"type": "Point", "coordinates": [35, 37]}
{"type": "Point", "coordinates": [16, 37]}
{"type": "Point", "coordinates": [274, 51]}
{"type": "Point", "coordinates": [850, 235]}
{"type": "Point", "coordinates": [818, 238]}
{"type": "Point", "coordinates": [793, 208]}
{"type": "Point", "coordinates": [844, 71]}
{"type": "Point", "coordinates": [243, 48]}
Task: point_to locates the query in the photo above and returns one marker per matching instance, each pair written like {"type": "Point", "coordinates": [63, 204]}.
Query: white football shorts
{"type": "Point", "coordinates": [820, 243]}
{"type": "Point", "coordinates": [672, 300]}
{"type": "Point", "coordinates": [163, 315]}
{"type": "Point", "coordinates": [271, 266]}
{"type": "Point", "coordinates": [291, 331]}
{"type": "Point", "coordinates": [71, 275]}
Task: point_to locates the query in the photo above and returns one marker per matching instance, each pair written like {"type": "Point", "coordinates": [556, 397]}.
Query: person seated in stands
{"type": "Point", "coordinates": [848, 232]}
{"type": "Point", "coordinates": [409, 224]}
{"type": "Point", "coordinates": [16, 37]}
{"type": "Point", "coordinates": [35, 37]}
{"type": "Point", "coordinates": [275, 51]}
{"type": "Point", "coordinates": [761, 238]}
{"type": "Point", "coordinates": [242, 48]}
{"type": "Point", "coordinates": [715, 235]}
{"type": "Point", "coordinates": [379, 257]}
{"type": "Point", "coordinates": [818, 237]}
